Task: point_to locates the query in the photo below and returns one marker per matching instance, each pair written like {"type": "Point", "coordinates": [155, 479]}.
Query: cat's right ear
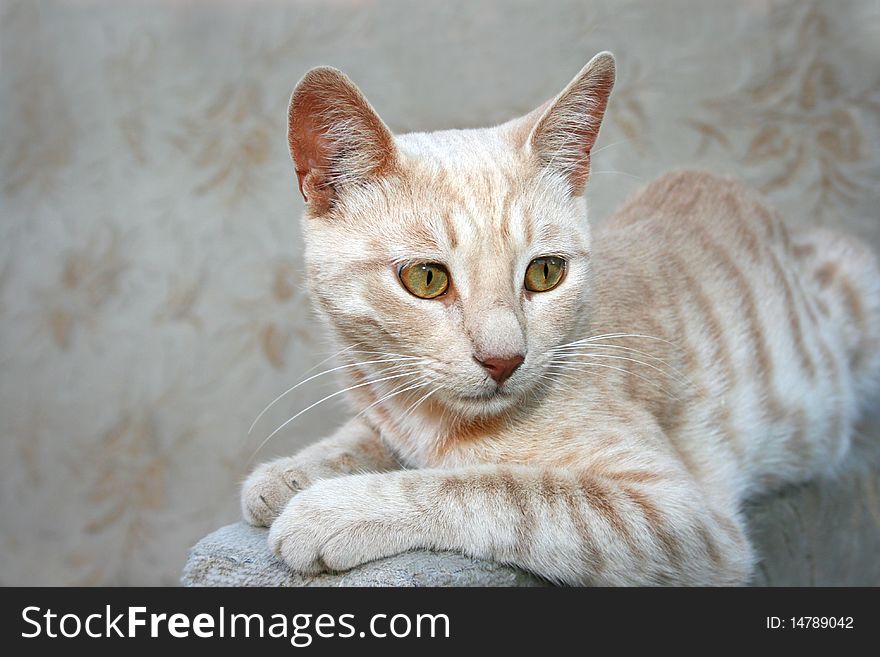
{"type": "Point", "coordinates": [335, 136]}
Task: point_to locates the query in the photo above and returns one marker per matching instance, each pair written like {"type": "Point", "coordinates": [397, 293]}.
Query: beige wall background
{"type": "Point", "coordinates": [151, 298]}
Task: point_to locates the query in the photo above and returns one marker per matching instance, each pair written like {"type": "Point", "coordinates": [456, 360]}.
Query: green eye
{"type": "Point", "coordinates": [425, 280]}
{"type": "Point", "coordinates": [544, 273]}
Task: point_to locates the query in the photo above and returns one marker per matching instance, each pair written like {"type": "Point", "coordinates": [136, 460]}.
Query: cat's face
{"type": "Point", "coordinates": [463, 254]}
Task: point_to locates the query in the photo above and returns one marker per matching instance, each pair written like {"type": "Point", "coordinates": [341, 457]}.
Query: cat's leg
{"type": "Point", "coordinates": [355, 447]}
{"type": "Point", "coordinates": [640, 526]}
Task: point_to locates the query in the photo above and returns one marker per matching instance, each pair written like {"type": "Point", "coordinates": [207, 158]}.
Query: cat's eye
{"type": "Point", "coordinates": [544, 273]}
{"type": "Point", "coordinates": [426, 280]}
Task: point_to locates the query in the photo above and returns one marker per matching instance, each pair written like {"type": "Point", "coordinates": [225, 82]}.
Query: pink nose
{"type": "Point", "coordinates": [500, 369]}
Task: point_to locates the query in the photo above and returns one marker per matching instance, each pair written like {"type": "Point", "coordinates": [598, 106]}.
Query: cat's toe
{"type": "Point", "coordinates": [333, 526]}
{"type": "Point", "coordinates": [295, 541]}
{"type": "Point", "coordinates": [267, 491]}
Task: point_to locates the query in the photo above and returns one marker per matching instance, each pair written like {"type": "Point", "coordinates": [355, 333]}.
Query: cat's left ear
{"type": "Point", "coordinates": [566, 128]}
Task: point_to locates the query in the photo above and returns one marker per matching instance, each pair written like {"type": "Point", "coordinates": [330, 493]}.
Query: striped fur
{"type": "Point", "coordinates": [744, 352]}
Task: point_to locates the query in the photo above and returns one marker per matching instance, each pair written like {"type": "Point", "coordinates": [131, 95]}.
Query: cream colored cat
{"type": "Point", "coordinates": [591, 408]}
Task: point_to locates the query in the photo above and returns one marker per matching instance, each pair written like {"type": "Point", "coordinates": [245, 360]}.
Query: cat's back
{"type": "Point", "coordinates": [691, 199]}
{"type": "Point", "coordinates": [691, 234]}
{"type": "Point", "coordinates": [698, 234]}
{"type": "Point", "coordinates": [776, 328]}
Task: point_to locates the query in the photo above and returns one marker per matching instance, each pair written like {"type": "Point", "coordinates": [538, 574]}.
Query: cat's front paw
{"type": "Point", "coordinates": [338, 524]}
{"type": "Point", "coordinates": [268, 489]}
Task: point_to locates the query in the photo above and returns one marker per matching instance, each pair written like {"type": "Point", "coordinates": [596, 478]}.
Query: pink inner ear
{"type": "Point", "coordinates": [313, 177]}
{"type": "Point", "coordinates": [325, 158]}
{"type": "Point", "coordinates": [566, 133]}
{"type": "Point", "coordinates": [312, 154]}
{"type": "Point", "coordinates": [299, 179]}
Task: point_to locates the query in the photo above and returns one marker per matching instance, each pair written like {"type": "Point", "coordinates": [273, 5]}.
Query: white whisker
{"type": "Point", "coordinates": [397, 391]}
{"type": "Point", "coordinates": [566, 365]}
{"type": "Point", "coordinates": [389, 354]}
{"type": "Point", "coordinates": [607, 146]}
{"type": "Point", "coordinates": [635, 351]}
{"type": "Point", "coordinates": [332, 356]}
{"type": "Point", "coordinates": [413, 408]}
{"type": "Point", "coordinates": [622, 173]}
{"type": "Point", "coordinates": [322, 400]}
{"type": "Point", "coordinates": [608, 336]}
{"type": "Point", "coordinates": [315, 376]}
{"type": "Point", "coordinates": [593, 354]}
{"type": "Point", "coordinates": [555, 380]}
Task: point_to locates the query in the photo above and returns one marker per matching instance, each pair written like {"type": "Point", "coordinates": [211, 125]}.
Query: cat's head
{"type": "Point", "coordinates": [468, 250]}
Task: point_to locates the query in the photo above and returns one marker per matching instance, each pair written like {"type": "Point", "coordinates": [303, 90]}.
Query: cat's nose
{"type": "Point", "coordinates": [501, 369]}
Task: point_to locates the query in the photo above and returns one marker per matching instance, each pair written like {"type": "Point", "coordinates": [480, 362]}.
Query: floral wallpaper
{"type": "Point", "coordinates": [151, 293]}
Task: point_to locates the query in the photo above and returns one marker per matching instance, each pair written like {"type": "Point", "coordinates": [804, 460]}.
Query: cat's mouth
{"type": "Point", "coordinates": [485, 403]}
{"type": "Point", "coordinates": [487, 395]}
{"type": "Point", "coordinates": [497, 394]}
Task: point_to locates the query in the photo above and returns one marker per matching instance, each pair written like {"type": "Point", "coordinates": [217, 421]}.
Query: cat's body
{"type": "Point", "coordinates": [696, 352]}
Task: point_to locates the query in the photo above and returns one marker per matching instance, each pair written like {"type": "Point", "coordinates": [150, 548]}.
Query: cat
{"type": "Point", "coordinates": [592, 408]}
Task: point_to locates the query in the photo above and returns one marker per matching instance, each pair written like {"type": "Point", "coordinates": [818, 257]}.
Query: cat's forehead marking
{"type": "Point", "coordinates": [475, 180]}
